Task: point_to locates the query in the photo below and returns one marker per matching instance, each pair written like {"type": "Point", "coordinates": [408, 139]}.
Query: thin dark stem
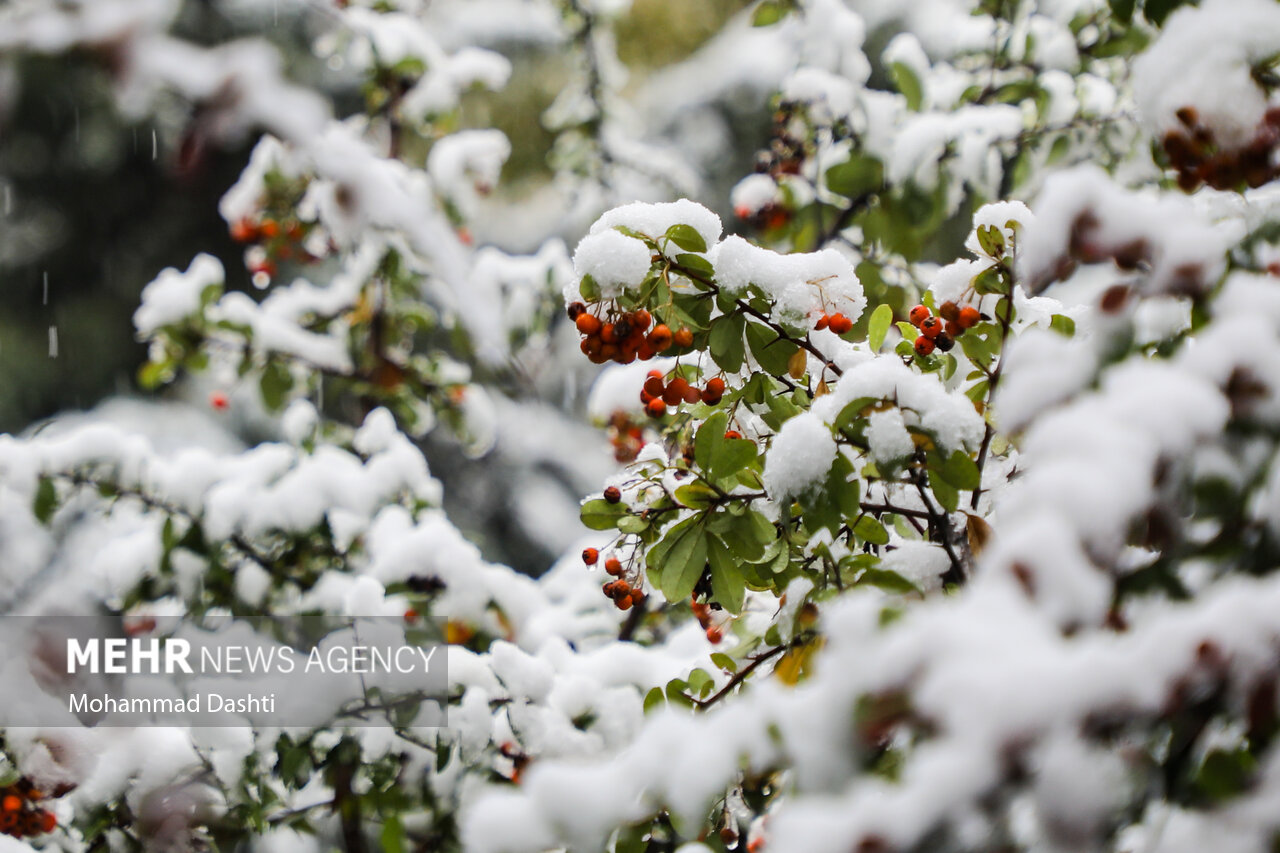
{"type": "Point", "coordinates": [740, 676]}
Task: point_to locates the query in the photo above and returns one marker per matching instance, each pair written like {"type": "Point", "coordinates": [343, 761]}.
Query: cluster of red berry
{"type": "Point", "coordinates": [624, 336]}
{"type": "Point", "coordinates": [280, 241]}
{"type": "Point", "coordinates": [702, 610]}
{"type": "Point", "coordinates": [625, 593]}
{"type": "Point", "coordinates": [1199, 160]}
{"type": "Point", "coordinates": [837, 323]}
{"type": "Point", "coordinates": [657, 395]}
{"type": "Point", "coordinates": [941, 332]}
{"type": "Point", "coordinates": [626, 436]}
{"type": "Point", "coordinates": [19, 816]}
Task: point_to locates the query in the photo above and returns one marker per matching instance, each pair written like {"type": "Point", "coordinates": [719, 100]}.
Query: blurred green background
{"type": "Point", "coordinates": [95, 205]}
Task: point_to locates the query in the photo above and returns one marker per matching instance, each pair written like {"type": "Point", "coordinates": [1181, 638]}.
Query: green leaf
{"type": "Point", "coordinates": [870, 530]}
{"type": "Point", "coordinates": [1225, 773]}
{"type": "Point", "coordinates": [632, 524]}
{"type": "Point", "coordinates": [1062, 324]}
{"type": "Point", "coordinates": [958, 470]}
{"type": "Point", "coordinates": [275, 383]}
{"type": "Point", "coordinates": [856, 176]}
{"type": "Point", "coordinates": [770, 12]}
{"type": "Point", "coordinates": [730, 456]}
{"type": "Point", "coordinates": [1122, 10]}
{"type": "Point", "coordinates": [696, 495]}
{"type": "Point", "coordinates": [886, 580]}
{"type": "Point", "coordinates": [46, 500]}
{"type": "Point", "coordinates": [990, 280]}
{"type": "Point", "coordinates": [727, 347]}
{"type": "Point", "coordinates": [697, 264]}
{"type": "Point", "coordinates": [772, 352]}
{"type": "Point", "coordinates": [392, 837]}
{"type": "Point", "coordinates": [653, 699]}
{"type": "Point", "coordinates": [683, 563]}
{"type": "Point", "coordinates": [723, 661]}
{"type": "Point", "coordinates": [946, 493]}
{"type": "Point", "coordinates": [707, 441]}
{"type": "Point", "coordinates": [991, 239]}
{"type": "Point", "coordinates": [589, 289]}
{"type": "Point", "coordinates": [686, 237]}
{"type": "Point", "coordinates": [727, 583]}
{"type": "Point", "coordinates": [878, 325]}
{"type": "Point", "coordinates": [906, 82]}
{"type": "Point", "coordinates": [599, 514]}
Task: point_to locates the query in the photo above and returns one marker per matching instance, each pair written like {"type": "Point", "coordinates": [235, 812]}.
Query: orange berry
{"type": "Point", "coordinates": [675, 391]}
{"type": "Point", "coordinates": [683, 338]}
{"type": "Point", "coordinates": [644, 352]}
{"type": "Point", "coordinates": [952, 328]}
{"type": "Point", "coordinates": [11, 803]}
{"type": "Point", "coordinates": [949, 311]}
{"type": "Point", "coordinates": [613, 566]}
{"type": "Point", "coordinates": [969, 317]}
{"type": "Point", "coordinates": [608, 352]}
{"type": "Point", "coordinates": [918, 315]}
{"type": "Point", "coordinates": [410, 616]}
{"type": "Point", "coordinates": [931, 327]}
{"type": "Point", "coordinates": [638, 596]}
{"type": "Point", "coordinates": [656, 407]}
{"type": "Point", "coordinates": [660, 338]}
{"type": "Point", "coordinates": [733, 433]}
{"type": "Point", "coordinates": [613, 494]}
{"type": "Point", "coordinates": [219, 400]}
{"type": "Point", "coordinates": [624, 602]}
{"type": "Point", "coordinates": [588, 324]}
{"type": "Point", "coordinates": [609, 333]}
{"type": "Point", "coordinates": [641, 319]}
{"type": "Point", "coordinates": [923, 345]}
{"type": "Point", "coordinates": [714, 635]}
{"type": "Point", "coordinates": [244, 231]}
{"type": "Point", "coordinates": [691, 394]}
{"type": "Point", "coordinates": [269, 228]}
{"type": "Point", "coordinates": [713, 392]}
{"type": "Point", "coordinates": [621, 587]}
{"type": "Point", "coordinates": [822, 323]}
{"type": "Point", "coordinates": [653, 385]}
{"type": "Point", "coordinates": [840, 324]}
{"type": "Point", "coordinates": [590, 556]}
{"type": "Point", "coordinates": [47, 821]}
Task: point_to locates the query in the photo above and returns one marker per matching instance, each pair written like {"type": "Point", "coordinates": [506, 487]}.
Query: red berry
{"type": "Point", "coordinates": [410, 616]}
{"type": "Point", "coordinates": [638, 596]}
{"type": "Point", "coordinates": [641, 319]}
{"type": "Point", "coordinates": [47, 821]}
{"type": "Point", "coordinates": [590, 556]}
{"type": "Point", "coordinates": [691, 394]}
{"type": "Point", "coordinates": [714, 635]}
{"type": "Point", "coordinates": [624, 602]}
{"type": "Point", "coordinates": [653, 385]}
{"type": "Point", "coordinates": [675, 391]}
{"type": "Point", "coordinates": [918, 315]}
{"type": "Point", "coordinates": [949, 311]}
{"type": "Point", "coordinates": [609, 333]}
{"type": "Point", "coordinates": [269, 228]}
{"type": "Point", "coordinates": [952, 328]}
{"type": "Point", "coordinates": [931, 327]}
{"type": "Point", "coordinates": [656, 407]}
{"type": "Point", "coordinates": [733, 433]}
{"type": "Point", "coordinates": [613, 494]}
{"type": "Point", "coordinates": [822, 323]}
{"type": "Point", "coordinates": [575, 310]}
{"type": "Point", "coordinates": [588, 324]}
{"type": "Point", "coordinates": [11, 803]}
{"type": "Point", "coordinates": [924, 345]}
{"type": "Point", "coordinates": [944, 342]}
{"type": "Point", "coordinates": [714, 391]}
{"type": "Point", "coordinates": [613, 566]}
{"type": "Point", "coordinates": [244, 231]}
{"type": "Point", "coordinates": [840, 324]}
{"type": "Point", "coordinates": [660, 338]}
{"type": "Point", "coordinates": [969, 317]}
{"type": "Point", "coordinates": [219, 400]}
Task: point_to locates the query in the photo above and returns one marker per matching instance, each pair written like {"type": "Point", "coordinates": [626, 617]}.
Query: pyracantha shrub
{"type": "Point", "coordinates": [934, 503]}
